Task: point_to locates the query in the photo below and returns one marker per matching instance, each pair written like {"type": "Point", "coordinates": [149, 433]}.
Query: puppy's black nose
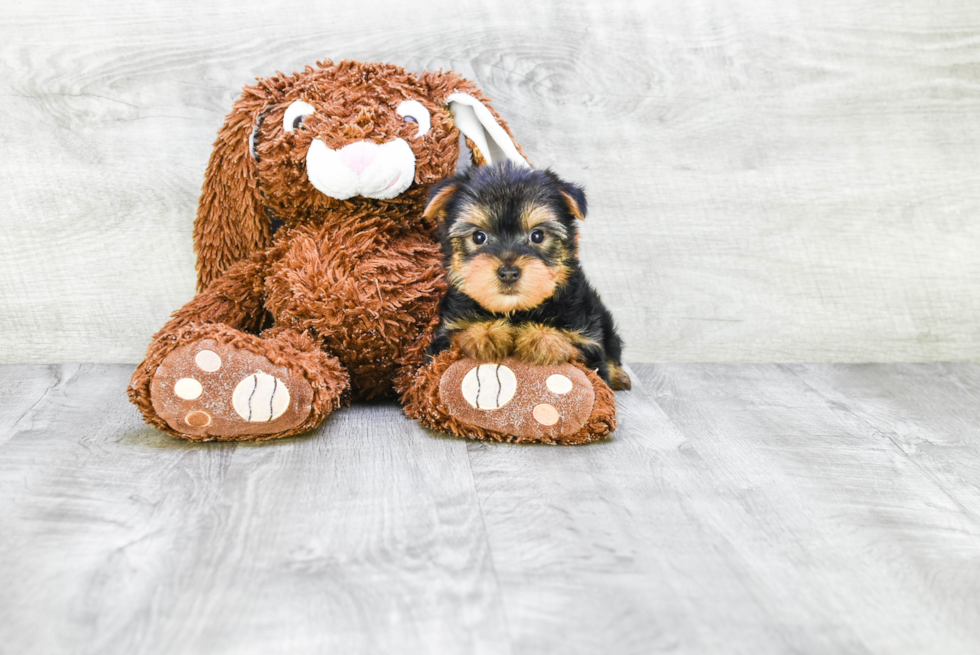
{"type": "Point", "coordinates": [508, 274]}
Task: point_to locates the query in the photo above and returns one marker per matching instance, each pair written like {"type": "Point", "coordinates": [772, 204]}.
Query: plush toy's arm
{"type": "Point", "coordinates": [235, 299]}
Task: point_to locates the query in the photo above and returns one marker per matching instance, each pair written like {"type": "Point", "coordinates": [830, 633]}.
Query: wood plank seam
{"type": "Point", "coordinates": [59, 382]}
{"type": "Point", "coordinates": [876, 430]}
{"type": "Point", "coordinates": [489, 545]}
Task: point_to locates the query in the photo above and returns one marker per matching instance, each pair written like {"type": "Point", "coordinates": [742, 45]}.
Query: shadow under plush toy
{"type": "Point", "coordinates": [319, 275]}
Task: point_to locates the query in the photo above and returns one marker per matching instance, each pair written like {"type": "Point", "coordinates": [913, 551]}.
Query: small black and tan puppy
{"type": "Point", "coordinates": [516, 288]}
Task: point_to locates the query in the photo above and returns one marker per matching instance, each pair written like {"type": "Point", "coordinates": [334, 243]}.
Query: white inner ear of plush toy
{"type": "Point", "coordinates": [478, 124]}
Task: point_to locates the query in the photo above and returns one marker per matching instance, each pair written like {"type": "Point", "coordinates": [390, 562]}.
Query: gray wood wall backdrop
{"type": "Point", "coordinates": [780, 180]}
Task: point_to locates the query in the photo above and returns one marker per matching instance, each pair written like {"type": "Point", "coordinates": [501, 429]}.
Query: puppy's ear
{"type": "Point", "coordinates": [574, 197]}
{"type": "Point", "coordinates": [231, 220]}
{"type": "Point", "coordinates": [487, 135]}
{"type": "Point", "coordinates": [439, 196]}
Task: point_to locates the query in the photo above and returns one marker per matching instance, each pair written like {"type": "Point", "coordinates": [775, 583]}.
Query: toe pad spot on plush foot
{"type": "Point", "coordinates": [198, 419]}
{"type": "Point", "coordinates": [545, 414]}
{"type": "Point", "coordinates": [559, 384]}
{"type": "Point", "coordinates": [244, 396]}
{"type": "Point", "coordinates": [208, 360]}
{"type": "Point", "coordinates": [188, 388]}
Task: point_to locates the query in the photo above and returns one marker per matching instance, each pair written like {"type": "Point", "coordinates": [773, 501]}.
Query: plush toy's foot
{"type": "Point", "coordinates": [212, 389]}
{"type": "Point", "coordinates": [512, 401]}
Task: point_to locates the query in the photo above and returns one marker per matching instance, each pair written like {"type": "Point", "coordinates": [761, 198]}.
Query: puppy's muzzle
{"type": "Point", "coordinates": [508, 274]}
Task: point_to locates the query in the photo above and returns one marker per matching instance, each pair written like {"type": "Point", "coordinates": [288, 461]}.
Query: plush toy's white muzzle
{"type": "Point", "coordinates": [362, 168]}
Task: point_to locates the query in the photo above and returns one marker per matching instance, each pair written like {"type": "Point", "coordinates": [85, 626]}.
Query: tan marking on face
{"type": "Point", "coordinates": [533, 215]}
{"type": "Point", "coordinates": [544, 345]}
{"type": "Point", "coordinates": [477, 278]}
{"type": "Point", "coordinates": [475, 215]}
{"type": "Point", "coordinates": [486, 341]}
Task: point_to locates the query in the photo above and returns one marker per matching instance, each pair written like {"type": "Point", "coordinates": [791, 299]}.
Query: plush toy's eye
{"type": "Point", "coordinates": [479, 238]}
{"type": "Point", "coordinates": [537, 236]}
{"type": "Point", "coordinates": [412, 111]}
{"type": "Point", "coordinates": [295, 113]}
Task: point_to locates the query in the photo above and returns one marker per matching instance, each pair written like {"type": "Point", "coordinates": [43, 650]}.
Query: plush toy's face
{"type": "Point", "coordinates": [338, 141]}
{"type": "Point", "coordinates": [351, 133]}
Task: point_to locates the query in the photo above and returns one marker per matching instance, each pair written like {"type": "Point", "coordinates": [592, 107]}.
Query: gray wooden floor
{"type": "Point", "coordinates": [739, 509]}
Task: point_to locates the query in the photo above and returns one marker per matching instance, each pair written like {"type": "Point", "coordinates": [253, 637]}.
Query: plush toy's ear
{"type": "Point", "coordinates": [231, 221]}
{"type": "Point", "coordinates": [491, 142]}
{"type": "Point", "coordinates": [487, 135]}
{"type": "Point", "coordinates": [440, 194]}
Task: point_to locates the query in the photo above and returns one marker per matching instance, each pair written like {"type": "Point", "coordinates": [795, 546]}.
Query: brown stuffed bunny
{"type": "Point", "coordinates": [319, 277]}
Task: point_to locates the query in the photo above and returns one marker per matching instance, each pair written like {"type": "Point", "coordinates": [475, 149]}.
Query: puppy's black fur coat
{"type": "Point", "coordinates": [503, 193]}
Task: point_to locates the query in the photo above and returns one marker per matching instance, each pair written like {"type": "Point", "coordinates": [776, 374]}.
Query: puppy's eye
{"type": "Point", "coordinates": [537, 236]}
{"type": "Point", "coordinates": [413, 111]}
{"type": "Point", "coordinates": [295, 113]}
{"type": "Point", "coordinates": [479, 238]}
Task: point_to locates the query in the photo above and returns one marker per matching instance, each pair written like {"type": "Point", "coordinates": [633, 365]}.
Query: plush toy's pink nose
{"type": "Point", "coordinates": [358, 156]}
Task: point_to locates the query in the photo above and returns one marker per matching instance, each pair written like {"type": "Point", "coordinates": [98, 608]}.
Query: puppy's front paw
{"type": "Point", "coordinates": [544, 345]}
{"type": "Point", "coordinates": [488, 341]}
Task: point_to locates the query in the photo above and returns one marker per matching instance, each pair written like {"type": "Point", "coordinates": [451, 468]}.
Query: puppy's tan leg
{"type": "Point", "coordinates": [545, 345]}
{"type": "Point", "coordinates": [487, 341]}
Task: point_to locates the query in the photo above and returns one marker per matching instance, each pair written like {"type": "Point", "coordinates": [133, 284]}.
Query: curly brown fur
{"type": "Point", "coordinates": [423, 403]}
{"type": "Point", "coordinates": [341, 293]}
{"type": "Point", "coordinates": [346, 291]}
{"type": "Point", "coordinates": [354, 101]}
{"type": "Point", "coordinates": [510, 242]}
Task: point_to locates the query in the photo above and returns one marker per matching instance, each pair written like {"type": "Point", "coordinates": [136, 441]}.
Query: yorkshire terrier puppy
{"type": "Point", "coordinates": [516, 288]}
